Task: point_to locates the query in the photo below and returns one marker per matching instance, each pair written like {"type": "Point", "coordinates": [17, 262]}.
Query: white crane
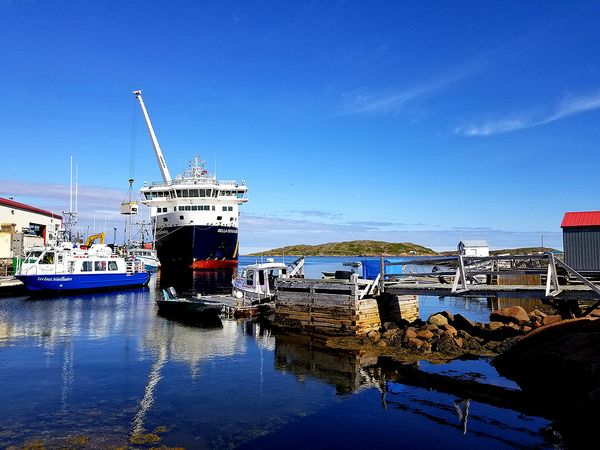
{"type": "Point", "coordinates": [164, 170]}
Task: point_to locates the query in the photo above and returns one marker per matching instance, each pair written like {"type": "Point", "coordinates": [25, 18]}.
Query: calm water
{"type": "Point", "coordinates": [106, 366]}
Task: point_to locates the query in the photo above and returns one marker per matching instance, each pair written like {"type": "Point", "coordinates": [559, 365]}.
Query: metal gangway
{"type": "Point", "coordinates": [478, 276]}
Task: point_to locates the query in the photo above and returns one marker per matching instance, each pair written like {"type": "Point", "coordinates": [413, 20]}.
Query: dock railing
{"type": "Point", "coordinates": [468, 271]}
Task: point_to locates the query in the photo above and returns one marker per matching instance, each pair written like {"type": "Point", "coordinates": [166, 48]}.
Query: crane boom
{"type": "Point", "coordinates": [164, 170]}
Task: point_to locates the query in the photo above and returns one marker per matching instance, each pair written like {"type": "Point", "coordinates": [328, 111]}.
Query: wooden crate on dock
{"type": "Point", "coordinates": [332, 306]}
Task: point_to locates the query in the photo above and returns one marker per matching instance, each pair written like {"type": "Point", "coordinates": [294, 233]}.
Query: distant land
{"type": "Point", "coordinates": [513, 251]}
{"type": "Point", "coordinates": [380, 248]}
{"type": "Point", "coordinates": [351, 248]}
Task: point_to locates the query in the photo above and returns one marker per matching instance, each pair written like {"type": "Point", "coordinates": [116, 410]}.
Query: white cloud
{"type": "Point", "coordinates": [362, 101]}
{"type": "Point", "coordinates": [568, 107]}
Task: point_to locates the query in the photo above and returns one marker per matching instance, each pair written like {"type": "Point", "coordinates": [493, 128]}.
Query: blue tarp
{"type": "Point", "coordinates": [371, 267]}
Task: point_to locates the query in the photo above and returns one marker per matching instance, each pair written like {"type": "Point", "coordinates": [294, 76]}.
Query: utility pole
{"type": "Point", "coordinates": [542, 243]}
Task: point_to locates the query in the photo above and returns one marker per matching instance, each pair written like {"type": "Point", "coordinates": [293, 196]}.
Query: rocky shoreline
{"type": "Point", "coordinates": [445, 336]}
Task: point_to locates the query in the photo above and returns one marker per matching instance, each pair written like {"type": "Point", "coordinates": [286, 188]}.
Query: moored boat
{"type": "Point", "coordinates": [72, 267]}
{"type": "Point", "coordinates": [145, 255]}
{"type": "Point", "coordinates": [200, 310]}
{"type": "Point", "coordinates": [254, 288]}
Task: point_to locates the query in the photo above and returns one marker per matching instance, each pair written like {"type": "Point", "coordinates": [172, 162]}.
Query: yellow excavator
{"type": "Point", "coordinates": [93, 237]}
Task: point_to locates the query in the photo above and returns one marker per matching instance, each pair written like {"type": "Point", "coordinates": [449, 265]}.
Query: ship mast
{"type": "Point", "coordinates": [159, 156]}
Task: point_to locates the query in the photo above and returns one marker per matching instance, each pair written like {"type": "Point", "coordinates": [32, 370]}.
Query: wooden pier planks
{"type": "Point", "coordinates": [336, 307]}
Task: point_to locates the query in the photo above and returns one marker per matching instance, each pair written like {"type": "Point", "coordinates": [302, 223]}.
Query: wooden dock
{"type": "Point", "coordinates": [338, 306]}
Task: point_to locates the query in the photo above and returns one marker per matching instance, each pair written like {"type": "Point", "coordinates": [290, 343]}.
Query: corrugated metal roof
{"type": "Point", "coordinates": [475, 243]}
{"type": "Point", "coordinates": [24, 207]}
{"type": "Point", "coordinates": [581, 219]}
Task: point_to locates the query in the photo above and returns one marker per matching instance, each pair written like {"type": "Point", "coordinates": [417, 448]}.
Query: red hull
{"type": "Point", "coordinates": [215, 264]}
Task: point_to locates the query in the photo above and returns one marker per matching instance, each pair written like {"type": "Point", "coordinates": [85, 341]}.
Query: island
{"type": "Point", "coordinates": [352, 248]}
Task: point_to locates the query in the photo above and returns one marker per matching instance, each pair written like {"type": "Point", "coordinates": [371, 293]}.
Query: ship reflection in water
{"type": "Point", "coordinates": [106, 367]}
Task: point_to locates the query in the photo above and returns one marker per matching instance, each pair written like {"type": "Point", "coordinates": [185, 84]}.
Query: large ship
{"type": "Point", "coordinates": [194, 216]}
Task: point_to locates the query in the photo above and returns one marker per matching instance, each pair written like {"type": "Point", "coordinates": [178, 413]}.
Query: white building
{"type": "Point", "coordinates": [22, 226]}
{"type": "Point", "coordinates": [474, 248]}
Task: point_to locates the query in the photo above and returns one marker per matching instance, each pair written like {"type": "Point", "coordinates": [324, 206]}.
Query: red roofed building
{"type": "Point", "coordinates": [581, 240]}
{"type": "Point", "coordinates": [22, 226]}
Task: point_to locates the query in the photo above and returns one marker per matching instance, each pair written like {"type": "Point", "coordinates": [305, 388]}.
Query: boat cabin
{"type": "Point", "coordinates": [259, 279]}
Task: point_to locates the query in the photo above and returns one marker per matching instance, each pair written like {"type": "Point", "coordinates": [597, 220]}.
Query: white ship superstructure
{"type": "Point", "coordinates": [195, 216]}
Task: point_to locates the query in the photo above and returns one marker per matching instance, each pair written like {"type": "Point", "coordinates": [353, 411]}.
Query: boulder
{"type": "Point", "coordinates": [438, 320]}
{"type": "Point", "coordinates": [410, 333]}
{"type": "Point", "coordinates": [431, 327]}
{"type": "Point", "coordinates": [512, 314]}
{"type": "Point", "coordinates": [425, 334]}
{"type": "Point", "coordinates": [414, 343]}
{"type": "Point", "coordinates": [458, 341]}
{"type": "Point", "coordinates": [374, 335]}
{"type": "Point", "coordinates": [460, 322]}
{"type": "Point", "coordinates": [496, 325]}
{"type": "Point", "coordinates": [538, 313]}
{"type": "Point", "coordinates": [450, 328]}
{"type": "Point", "coordinates": [448, 315]}
{"type": "Point", "coordinates": [551, 319]}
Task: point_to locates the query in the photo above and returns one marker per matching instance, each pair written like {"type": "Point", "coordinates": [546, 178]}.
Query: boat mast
{"type": "Point", "coordinates": [159, 156]}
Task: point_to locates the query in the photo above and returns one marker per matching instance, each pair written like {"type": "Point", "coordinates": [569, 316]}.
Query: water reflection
{"type": "Point", "coordinates": [485, 411]}
{"type": "Point", "coordinates": [107, 366]}
{"type": "Point", "coordinates": [191, 282]}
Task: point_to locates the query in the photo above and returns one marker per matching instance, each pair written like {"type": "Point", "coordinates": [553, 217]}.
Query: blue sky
{"type": "Point", "coordinates": [427, 122]}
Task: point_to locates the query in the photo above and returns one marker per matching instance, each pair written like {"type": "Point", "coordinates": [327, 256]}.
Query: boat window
{"type": "Point", "coordinates": [59, 258]}
{"type": "Point", "coordinates": [201, 193]}
{"type": "Point", "coordinates": [224, 208]}
{"type": "Point", "coordinates": [215, 193]}
{"type": "Point", "coordinates": [112, 265]}
{"type": "Point", "coordinates": [231, 219]}
{"type": "Point", "coordinates": [261, 277]}
{"type": "Point", "coordinates": [230, 208]}
{"type": "Point", "coordinates": [165, 219]}
{"type": "Point", "coordinates": [240, 194]}
{"type": "Point", "coordinates": [180, 217]}
{"type": "Point", "coordinates": [193, 192]}
{"type": "Point", "coordinates": [178, 192]}
{"type": "Point", "coordinates": [219, 217]}
{"type": "Point", "coordinates": [99, 266]}
{"type": "Point", "coordinates": [86, 266]}
{"type": "Point", "coordinates": [194, 208]}
{"type": "Point", "coordinates": [148, 195]}
{"type": "Point", "coordinates": [184, 193]}
{"type": "Point", "coordinates": [188, 208]}
{"type": "Point", "coordinates": [250, 278]}
{"type": "Point", "coordinates": [32, 257]}
{"type": "Point", "coordinates": [48, 258]}
{"type": "Point", "coordinates": [181, 208]}
{"type": "Point", "coordinates": [71, 267]}
{"type": "Point", "coordinates": [207, 208]}
{"type": "Point", "coordinates": [208, 192]}
{"type": "Point", "coordinates": [213, 208]}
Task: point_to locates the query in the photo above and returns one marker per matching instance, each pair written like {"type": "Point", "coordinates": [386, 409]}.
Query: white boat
{"type": "Point", "coordinates": [73, 267]}
{"type": "Point", "coordinates": [256, 283]}
{"type": "Point", "coordinates": [146, 255]}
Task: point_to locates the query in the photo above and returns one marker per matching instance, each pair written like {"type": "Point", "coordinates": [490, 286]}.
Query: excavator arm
{"type": "Point", "coordinates": [93, 237]}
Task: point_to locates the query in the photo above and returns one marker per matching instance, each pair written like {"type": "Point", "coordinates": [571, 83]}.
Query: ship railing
{"type": "Point", "coordinates": [191, 180]}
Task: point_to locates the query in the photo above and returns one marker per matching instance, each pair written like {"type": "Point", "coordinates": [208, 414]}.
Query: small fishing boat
{"type": "Point", "coordinates": [72, 267]}
{"type": "Point", "coordinates": [196, 309]}
{"type": "Point", "coordinates": [146, 255]}
{"type": "Point", "coordinates": [256, 284]}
